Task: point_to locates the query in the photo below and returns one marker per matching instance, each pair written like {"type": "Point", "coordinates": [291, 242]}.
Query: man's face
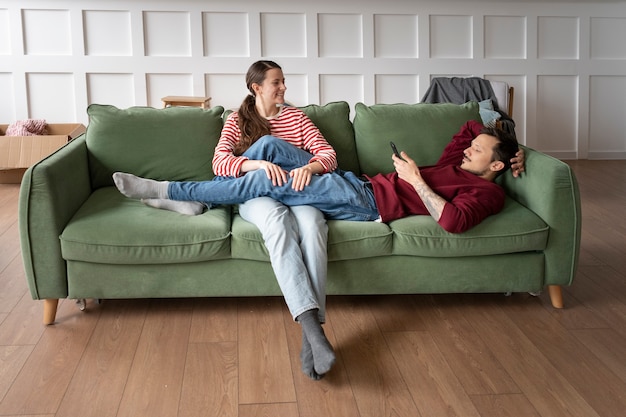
{"type": "Point", "coordinates": [478, 158]}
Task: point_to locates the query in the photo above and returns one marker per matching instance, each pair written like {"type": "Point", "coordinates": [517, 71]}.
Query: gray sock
{"type": "Point", "coordinates": [136, 187]}
{"type": "Point", "coordinates": [190, 208]}
{"type": "Point", "coordinates": [306, 358]}
{"type": "Point", "coordinates": [323, 353]}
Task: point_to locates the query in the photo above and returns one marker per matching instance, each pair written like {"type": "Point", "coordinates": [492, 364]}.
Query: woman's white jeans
{"type": "Point", "coordinates": [296, 239]}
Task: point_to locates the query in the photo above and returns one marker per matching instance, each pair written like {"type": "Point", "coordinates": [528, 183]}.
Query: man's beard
{"type": "Point", "coordinates": [471, 171]}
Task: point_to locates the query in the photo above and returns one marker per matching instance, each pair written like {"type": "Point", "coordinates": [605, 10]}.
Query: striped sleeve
{"type": "Point", "coordinates": [225, 163]}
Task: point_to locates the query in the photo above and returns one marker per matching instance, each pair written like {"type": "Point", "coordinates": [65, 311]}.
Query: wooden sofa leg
{"type": "Point", "coordinates": [50, 310]}
{"type": "Point", "coordinates": [556, 295]}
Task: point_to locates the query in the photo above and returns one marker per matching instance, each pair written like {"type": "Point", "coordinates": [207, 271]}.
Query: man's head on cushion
{"type": "Point", "coordinates": [490, 153]}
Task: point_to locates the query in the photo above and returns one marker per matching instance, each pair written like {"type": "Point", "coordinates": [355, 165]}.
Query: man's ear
{"type": "Point", "coordinates": [497, 166]}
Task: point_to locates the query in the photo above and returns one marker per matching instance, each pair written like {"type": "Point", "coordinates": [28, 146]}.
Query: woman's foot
{"type": "Point", "coordinates": [306, 358]}
{"type": "Point", "coordinates": [323, 353]}
{"type": "Point", "coordinates": [136, 187]}
{"type": "Point", "coordinates": [190, 208]}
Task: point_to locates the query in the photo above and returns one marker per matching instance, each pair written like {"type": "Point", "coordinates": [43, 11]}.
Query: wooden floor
{"type": "Point", "coordinates": [406, 356]}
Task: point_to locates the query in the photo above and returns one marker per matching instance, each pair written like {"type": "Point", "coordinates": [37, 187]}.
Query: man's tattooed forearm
{"type": "Point", "coordinates": [434, 203]}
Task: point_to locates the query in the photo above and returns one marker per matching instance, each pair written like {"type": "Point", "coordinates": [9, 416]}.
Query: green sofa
{"type": "Point", "coordinates": [82, 239]}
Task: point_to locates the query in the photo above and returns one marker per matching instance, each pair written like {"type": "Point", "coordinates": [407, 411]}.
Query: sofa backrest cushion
{"type": "Point", "coordinates": [333, 120]}
{"type": "Point", "coordinates": [422, 130]}
{"type": "Point", "coordinates": [175, 143]}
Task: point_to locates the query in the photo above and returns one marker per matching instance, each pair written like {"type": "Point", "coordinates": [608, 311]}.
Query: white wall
{"type": "Point", "coordinates": [566, 60]}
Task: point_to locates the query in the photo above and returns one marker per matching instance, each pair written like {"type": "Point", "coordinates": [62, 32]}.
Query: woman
{"type": "Point", "coordinates": [295, 237]}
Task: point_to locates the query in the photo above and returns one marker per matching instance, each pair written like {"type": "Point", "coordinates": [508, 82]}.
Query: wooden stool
{"type": "Point", "coordinates": [203, 102]}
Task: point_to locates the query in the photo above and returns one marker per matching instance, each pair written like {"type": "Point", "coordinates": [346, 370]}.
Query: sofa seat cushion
{"type": "Point", "coordinates": [514, 229]}
{"type": "Point", "coordinates": [346, 240]}
{"type": "Point", "coordinates": [112, 229]}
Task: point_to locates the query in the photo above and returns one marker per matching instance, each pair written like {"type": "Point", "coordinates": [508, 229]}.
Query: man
{"type": "Point", "coordinates": [458, 192]}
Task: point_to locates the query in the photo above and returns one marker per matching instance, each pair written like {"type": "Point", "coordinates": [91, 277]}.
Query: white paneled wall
{"type": "Point", "coordinates": [566, 60]}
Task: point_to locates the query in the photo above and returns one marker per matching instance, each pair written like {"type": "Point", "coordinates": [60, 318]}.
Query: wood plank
{"type": "Point", "coordinates": [449, 322]}
{"type": "Point", "coordinates": [593, 381]}
{"type": "Point", "coordinates": [550, 392]}
{"type": "Point", "coordinates": [211, 381]}
{"type": "Point", "coordinates": [13, 285]}
{"type": "Point", "coordinates": [576, 314]}
{"type": "Point", "coordinates": [378, 385]}
{"type": "Point", "coordinates": [12, 358]}
{"type": "Point", "coordinates": [265, 374]}
{"type": "Point", "coordinates": [30, 415]}
{"type": "Point", "coordinates": [431, 381]}
{"type": "Point", "coordinates": [98, 384]}
{"type": "Point", "coordinates": [399, 313]}
{"type": "Point", "coordinates": [9, 194]}
{"type": "Point", "coordinates": [606, 345]}
{"type": "Point", "coordinates": [600, 300]}
{"type": "Point", "coordinates": [23, 326]}
{"type": "Point", "coordinates": [214, 320]}
{"type": "Point", "coordinates": [606, 245]}
{"type": "Point", "coordinates": [504, 405]}
{"type": "Point", "coordinates": [155, 379]}
{"type": "Point", "coordinates": [164, 304]}
{"type": "Point", "coordinates": [269, 410]}
{"type": "Point", "coordinates": [9, 244]}
{"type": "Point", "coordinates": [612, 280]}
{"type": "Point", "coordinates": [43, 381]}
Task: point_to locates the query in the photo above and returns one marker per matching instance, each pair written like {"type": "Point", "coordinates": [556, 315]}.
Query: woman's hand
{"type": "Point", "coordinates": [301, 177]}
{"type": "Point", "coordinates": [274, 173]}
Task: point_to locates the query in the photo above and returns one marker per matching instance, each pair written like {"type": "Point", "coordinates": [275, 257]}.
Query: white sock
{"type": "Point", "coordinates": [190, 208]}
{"type": "Point", "coordinates": [136, 187]}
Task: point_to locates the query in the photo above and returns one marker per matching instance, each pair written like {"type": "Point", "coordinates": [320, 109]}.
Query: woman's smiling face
{"type": "Point", "coordinates": [272, 89]}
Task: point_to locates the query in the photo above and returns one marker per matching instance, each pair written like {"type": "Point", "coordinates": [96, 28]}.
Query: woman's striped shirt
{"type": "Point", "coordinates": [291, 125]}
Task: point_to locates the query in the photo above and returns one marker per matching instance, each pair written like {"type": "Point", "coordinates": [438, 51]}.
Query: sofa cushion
{"type": "Point", "coordinates": [333, 120]}
{"type": "Point", "coordinates": [514, 229]}
{"type": "Point", "coordinates": [418, 129]}
{"type": "Point", "coordinates": [346, 240]}
{"type": "Point", "coordinates": [110, 228]}
{"type": "Point", "coordinates": [357, 240]}
{"type": "Point", "coordinates": [149, 142]}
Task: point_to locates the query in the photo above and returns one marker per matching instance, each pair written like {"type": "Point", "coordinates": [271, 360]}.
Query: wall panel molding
{"type": "Point", "coordinates": [562, 58]}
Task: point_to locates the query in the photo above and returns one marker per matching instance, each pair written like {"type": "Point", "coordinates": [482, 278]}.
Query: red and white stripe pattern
{"type": "Point", "coordinates": [291, 125]}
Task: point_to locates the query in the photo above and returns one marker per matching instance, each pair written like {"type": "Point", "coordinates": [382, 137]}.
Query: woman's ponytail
{"type": "Point", "coordinates": [251, 124]}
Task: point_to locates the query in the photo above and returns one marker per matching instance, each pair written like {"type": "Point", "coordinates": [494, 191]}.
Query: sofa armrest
{"type": "Point", "coordinates": [51, 192]}
{"type": "Point", "coordinates": [549, 188]}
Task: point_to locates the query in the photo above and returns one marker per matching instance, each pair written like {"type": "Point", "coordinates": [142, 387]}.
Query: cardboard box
{"type": "Point", "coordinates": [17, 153]}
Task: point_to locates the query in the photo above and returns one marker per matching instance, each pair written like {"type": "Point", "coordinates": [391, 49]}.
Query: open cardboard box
{"type": "Point", "coordinates": [17, 153]}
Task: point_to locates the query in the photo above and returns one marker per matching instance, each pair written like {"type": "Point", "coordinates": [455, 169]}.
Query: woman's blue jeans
{"type": "Point", "coordinates": [296, 239]}
{"type": "Point", "coordinates": [340, 195]}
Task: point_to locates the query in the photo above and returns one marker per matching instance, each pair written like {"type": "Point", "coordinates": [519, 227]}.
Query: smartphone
{"type": "Point", "coordinates": [395, 150]}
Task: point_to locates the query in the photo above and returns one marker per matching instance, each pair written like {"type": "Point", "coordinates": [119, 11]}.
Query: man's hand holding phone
{"type": "Point", "coordinates": [395, 150]}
